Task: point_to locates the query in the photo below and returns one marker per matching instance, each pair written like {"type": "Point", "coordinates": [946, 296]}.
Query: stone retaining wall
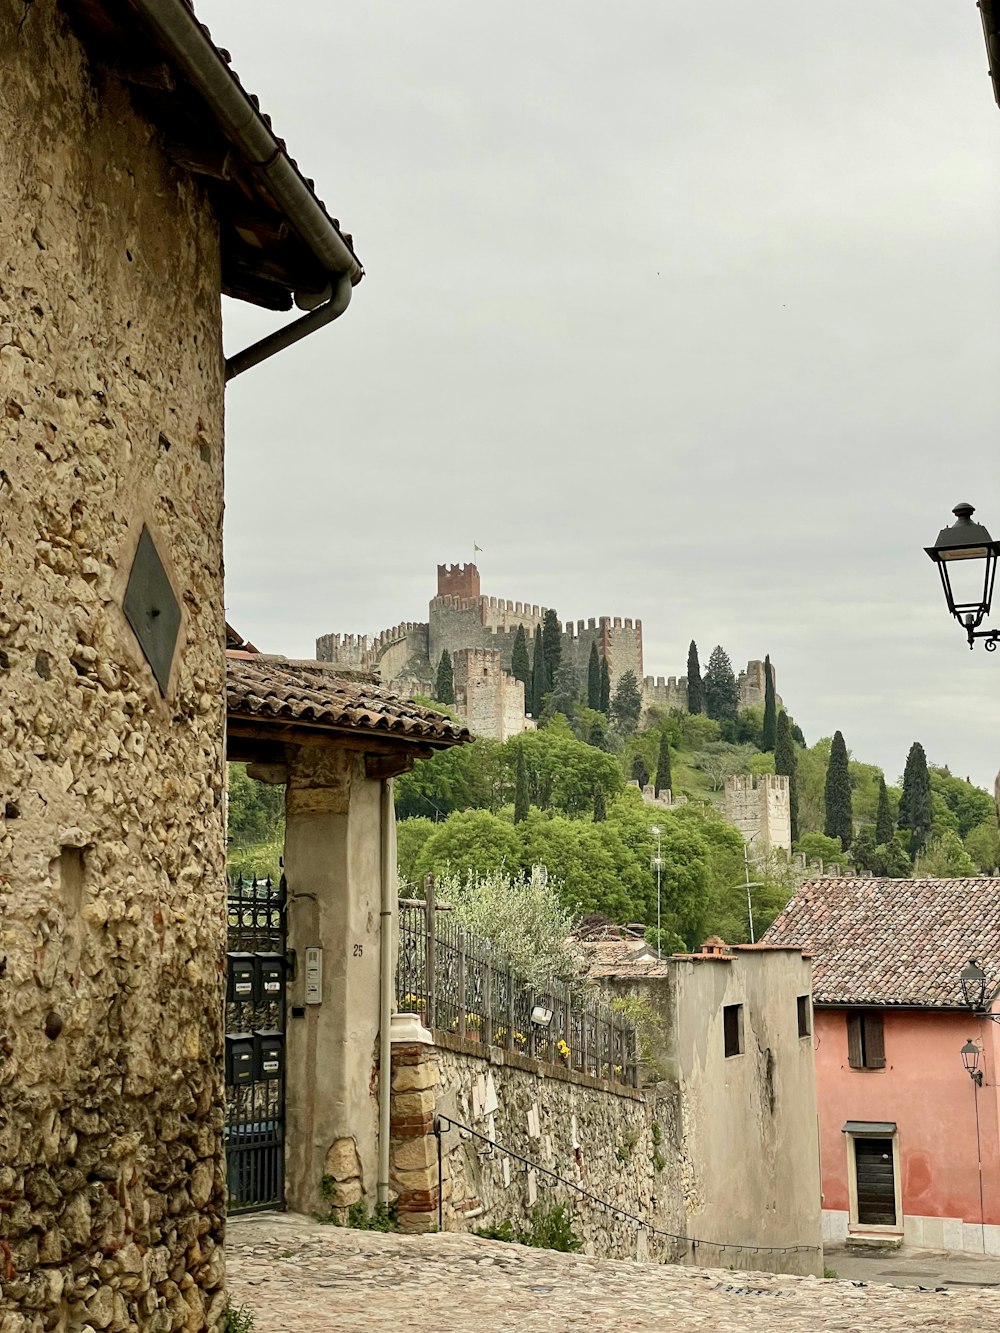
{"type": "Point", "coordinates": [615, 1142]}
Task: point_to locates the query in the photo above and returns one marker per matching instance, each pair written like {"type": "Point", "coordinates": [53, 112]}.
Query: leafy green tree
{"type": "Point", "coordinates": [551, 646]}
{"type": "Point", "coordinates": [467, 777]}
{"type": "Point", "coordinates": [696, 698]}
{"type": "Point", "coordinates": [749, 728]}
{"type": "Point", "coordinates": [255, 810]}
{"type": "Point", "coordinates": [520, 666]}
{"type": "Point", "coordinates": [983, 846]}
{"type": "Point", "coordinates": [539, 685]}
{"type": "Point", "coordinates": [885, 825]}
{"type": "Point", "coordinates": [970, 805]}
{"type": "Point", "coordinates": [411, 834]}
{"type": "Point", "coordinates": [886, 860]}
{"type": "Point", "coordinates": [626, 706]}
{"type": "Point", "coordinates": [769, 734]}
{"type": "Point", "coordinates": [785, 761]}
{"type": "Point", "coordinates": [915, 804]}
{"type": "Point", "coordinates": [565, 692]}
{"type": "Point", "coordinates": [664, 780]}
{"type": "Point", "coordinates": [944, 857]}
{"type": "Point", "coordinates": [563, 771]}
{"type": "Point", "coordinates": [838, 822]}
{"type": "Point", "coordinates": [640, 773]}
{"type": "Point", "coordinates": [521, 788]}
{"type": "Point", "coordinates": [600, 806]}
{"type": "Point", "coordinates": [598, 734]}
{"type": "Point", "coordinates": [594, 678]}
{"type": "Point", "coordinates": [720, 690]}
{"type": "Point", "coordinates": [444, 687]}
{"type": "Point", "coordinates": [470, 841]}
{"type": "Point", "coordinates": [818, 847]}
{"type": "Point", "coordinates": [605, 687]}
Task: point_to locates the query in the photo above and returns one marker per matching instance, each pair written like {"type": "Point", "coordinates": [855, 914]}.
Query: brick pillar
{"type": "Point", "coordinates": [413, 1147]}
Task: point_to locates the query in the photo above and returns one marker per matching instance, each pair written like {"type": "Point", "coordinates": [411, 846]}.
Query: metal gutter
{"type": "Point", "coordinates": [182, 35]}
{"type": "Point", "coordinates": [291, 333]}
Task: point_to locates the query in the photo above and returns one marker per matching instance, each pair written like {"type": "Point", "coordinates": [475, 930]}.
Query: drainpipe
{"type": "Point", "coordinates": [291, 333]}
{"type": "Point", "coordinates": [386, 987]}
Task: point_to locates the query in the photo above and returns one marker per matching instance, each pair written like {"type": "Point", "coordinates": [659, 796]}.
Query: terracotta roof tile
{"type": "Point", "coordinates": [261, 687]}
{"type": "Point", "coordinates": [892, 941]}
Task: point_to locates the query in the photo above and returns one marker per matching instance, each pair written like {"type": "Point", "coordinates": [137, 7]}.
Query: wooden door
{"type": "Point", "coordinates": [876, 1183]}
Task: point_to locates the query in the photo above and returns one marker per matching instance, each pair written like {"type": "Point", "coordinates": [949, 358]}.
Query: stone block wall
{"type": "Point", "coordinates": [490, 701]}
{"type": "Point", "coordinates": [760, 807]}
{"type": "Point", "coordinates": [112, 841]}
{"type": "Point", "coordinates": [621, 1146]}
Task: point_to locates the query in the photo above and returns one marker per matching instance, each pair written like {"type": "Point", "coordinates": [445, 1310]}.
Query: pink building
{"type": "Point", "coordinates": [909, 1142]}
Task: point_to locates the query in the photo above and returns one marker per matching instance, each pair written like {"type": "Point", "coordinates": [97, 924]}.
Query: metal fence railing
{"type": "Point", "coordinates": [449, 976]}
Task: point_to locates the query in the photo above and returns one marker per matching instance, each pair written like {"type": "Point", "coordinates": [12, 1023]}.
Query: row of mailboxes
{"type": "Point", "coordinates": [254, 978]}
{"type": "Point", "coordinates": [254, 1057]}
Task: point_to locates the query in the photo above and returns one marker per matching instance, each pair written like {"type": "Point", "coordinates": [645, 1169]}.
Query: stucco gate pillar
{"type": "Point", "coordinates": [332, 871]}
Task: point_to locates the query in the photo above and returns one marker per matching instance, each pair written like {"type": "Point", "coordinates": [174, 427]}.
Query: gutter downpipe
{"type": "Point", "coordinates": [182, 35]}
{"type": "Point", "coordinates": [386, 987]}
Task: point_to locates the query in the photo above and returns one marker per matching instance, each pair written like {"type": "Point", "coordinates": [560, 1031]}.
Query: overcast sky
{"type": "Point", "coordinates": [680, 311]}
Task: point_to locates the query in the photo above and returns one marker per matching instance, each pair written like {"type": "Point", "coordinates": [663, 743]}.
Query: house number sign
{"type": "Point", "coordinates": [314, 975]}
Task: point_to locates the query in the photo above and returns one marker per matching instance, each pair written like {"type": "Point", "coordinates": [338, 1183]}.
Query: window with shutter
{"type": "Point", "coordinates": [865, 1039]}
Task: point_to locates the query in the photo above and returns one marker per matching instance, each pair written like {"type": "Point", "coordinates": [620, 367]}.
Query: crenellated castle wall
{"type": "Point", "coordinates": [759, 806]}
{"type": "Point", "coordinates": [490, 701]}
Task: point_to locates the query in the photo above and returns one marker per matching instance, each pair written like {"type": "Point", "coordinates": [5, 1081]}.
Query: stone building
{"type": "Point", "coordinates": [490, 701]}
{"type": "Point", "coordinates": [760, 807]}
{"type": "Point", "coordinates": [461, 617]}
{"type": "Point", "coordinates": [138, 181]}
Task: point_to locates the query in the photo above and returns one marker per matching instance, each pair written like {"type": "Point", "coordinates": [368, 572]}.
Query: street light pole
{"type": "Point", "coordinates": [746, 875]}
{"type": "Point", "coordinates": [658, 867]}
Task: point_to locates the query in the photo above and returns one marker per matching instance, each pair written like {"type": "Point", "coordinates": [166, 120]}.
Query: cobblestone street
{"type": "Point", "coordinates": [298, 1276]}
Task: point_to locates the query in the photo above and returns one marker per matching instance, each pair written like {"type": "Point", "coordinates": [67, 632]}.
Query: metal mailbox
{"type": "Point", "coordinates": [240, 1048]}
{"type": "Point", "coordinates": [240, 978]}
{"type": "Point", "coordinates": [270, 977]}
{"type": "Point", "coordinates": [269, 1054]}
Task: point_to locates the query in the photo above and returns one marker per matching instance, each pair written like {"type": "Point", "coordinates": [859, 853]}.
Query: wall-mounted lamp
{"type": "Point", "coordinates": [540, 1016]}
{"type": "Point", "coordinates": [966, 557]}
{"type": "Point", "coordinates": [978, 990]}
{"type": "Point", "coordinates": [970, 1059]}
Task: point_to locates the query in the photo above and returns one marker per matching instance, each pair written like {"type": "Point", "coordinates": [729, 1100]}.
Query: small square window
{"type": "Point", "coordinates": [732, 1028]}
{"type": "Point", "coordinates": [805, 1023]}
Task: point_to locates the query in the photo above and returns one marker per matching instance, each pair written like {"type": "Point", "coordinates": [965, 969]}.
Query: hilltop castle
{"type": "Point", "coordinates": [479, 631]}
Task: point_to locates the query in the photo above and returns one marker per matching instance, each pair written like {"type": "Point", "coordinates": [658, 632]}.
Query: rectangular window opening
{"type": "Point", "coordinates": [732, 1028]}
{"type": "Point", "coordinates": [866, 1039]}
{"type": "Point", "coordinates": [804, 1016]}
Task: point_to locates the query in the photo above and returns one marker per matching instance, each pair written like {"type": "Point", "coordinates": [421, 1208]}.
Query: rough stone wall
{"type": "Point", "coordinates": [457, 581]}
{"type": "Point", "coordinates": [619, 643]}
{"type": "Point", "coordinates": [751, 685]}
{"type": "Point", "coordinates": [759, 806]}
{"type": "Point", "coordinates": [670, 692]}
{"type": "Point", "coordinates": [112, 1185]}
{"type": "Point", "coordinates": [593, 1133]}
{"type": "Point", "coordinates": [490, 701]}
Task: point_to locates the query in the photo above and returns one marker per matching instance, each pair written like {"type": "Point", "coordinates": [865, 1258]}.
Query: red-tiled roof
{"type": "Point", "coordinates": [614, 956]}
{"type": "Point", "coordinates": [260, 687]}
{"type": "Point", "coordinates": [892, 941]}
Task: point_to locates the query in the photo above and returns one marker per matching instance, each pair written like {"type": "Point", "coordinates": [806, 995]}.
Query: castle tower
{"type": "Point", "coordinates": [760, 807]}
{"type": "Point", "coordinates": [458, 581]}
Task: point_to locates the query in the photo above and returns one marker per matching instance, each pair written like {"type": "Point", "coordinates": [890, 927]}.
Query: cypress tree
{"type": "Point", "coordinates": [785, 762]}
{"type": "Point", "coordinates": [915, 809]}
{"type": "Point", "coordinates": [521, 788]}
{"type": "Point", "coordinates": [626, 706]}
{"type": "Point", "coordinates": [444, 687]}
{"type": "Point", "coordinates": [663, 778]}
{"type": "Point", "coordinates": [598, 735]}
{"type": "Point", "coordinates": [594, 678]}
{"type": "Point", "coordinates": [640, 773]}
{"type": "Point", "coordinates": [551, 647]}
{"type": "Point", "coordinates": [719, 688]}
{"type": "Point", "coordinates": [837, 794]}
{"type": "Point", "coordinates": [520, 667]}
{"type": "Point", "coordinates": [600, 806]}
{"type": "Point", "coordinates": [883, 818]}
{"type": "Point", "coordinates": [605, 687]}
{"type": "Point", "coordinates": [538, 686]}
{"type": "Point", "coordinates": [696, 696]}
{"type": "Point", "coordinates": [770, 713]}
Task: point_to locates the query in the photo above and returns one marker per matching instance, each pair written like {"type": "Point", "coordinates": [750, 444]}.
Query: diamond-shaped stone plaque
{"type": "Point", "coordinates": [152, 610]}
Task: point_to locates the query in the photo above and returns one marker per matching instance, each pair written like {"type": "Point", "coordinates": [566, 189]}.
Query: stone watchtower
{"type": "Point", "coordinates": [458, 581]}
{"type": "Point", "coordinates": [760, 807]}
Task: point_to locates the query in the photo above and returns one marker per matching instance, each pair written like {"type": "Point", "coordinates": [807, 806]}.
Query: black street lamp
{"type": "Point", "coordinates": [970, 1058]}
{"type": "Point", "coordinates": [966, 557]}
{"type": "Point", "coordinates": [978, 991]}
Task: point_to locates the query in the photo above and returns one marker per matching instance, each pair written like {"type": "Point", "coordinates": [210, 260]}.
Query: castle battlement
{"type": "Point", "coordinates": [668, 683]}
{"type": "Point", "coordinates": [458, 581]}
{"type": "Point", "coordinates": [747, 782]}
{"type": "Point", "coordinates": [759, 804]}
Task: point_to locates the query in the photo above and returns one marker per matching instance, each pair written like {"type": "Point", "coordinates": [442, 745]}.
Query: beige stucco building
{"type": "Point", "coordinates": [732, 1036]}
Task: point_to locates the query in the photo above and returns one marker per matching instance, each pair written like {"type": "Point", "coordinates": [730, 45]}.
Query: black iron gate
{"type": "Point", "coordinates": [255, 1045]}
